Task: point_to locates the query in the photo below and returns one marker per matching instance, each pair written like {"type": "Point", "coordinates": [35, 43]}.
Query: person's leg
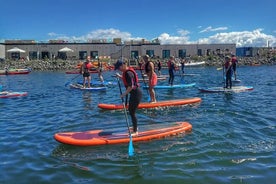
{"type": "Point", "coordinates": [134, 101]}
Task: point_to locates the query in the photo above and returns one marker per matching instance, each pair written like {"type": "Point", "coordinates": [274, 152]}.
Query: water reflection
{"type": "Point", "coordinates": [87, 100]}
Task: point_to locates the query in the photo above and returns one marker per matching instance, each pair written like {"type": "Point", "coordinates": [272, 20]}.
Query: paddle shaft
{"type": "Point", "coordinates": [72, 79]}
{"type": "Point", "coordinates": [127, 122]}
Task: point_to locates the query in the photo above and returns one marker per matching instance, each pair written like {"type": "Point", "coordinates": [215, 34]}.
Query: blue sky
{"type": "Point", "coordinates": [244, 22]}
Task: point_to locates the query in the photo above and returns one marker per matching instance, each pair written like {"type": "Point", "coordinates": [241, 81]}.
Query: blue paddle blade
{"type": "Point", "coordinates": [130, 147]}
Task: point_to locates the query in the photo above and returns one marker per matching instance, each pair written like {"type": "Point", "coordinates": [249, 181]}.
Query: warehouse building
{"type": "Point", "coordinates": [60, 49]}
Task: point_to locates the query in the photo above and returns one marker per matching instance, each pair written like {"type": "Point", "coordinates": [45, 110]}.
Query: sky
{"type": "Point", "coordinates": [247, 23]}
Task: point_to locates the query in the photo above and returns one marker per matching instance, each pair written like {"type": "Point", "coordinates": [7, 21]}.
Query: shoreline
{"type": "Point", "coordinates": [64, 65]}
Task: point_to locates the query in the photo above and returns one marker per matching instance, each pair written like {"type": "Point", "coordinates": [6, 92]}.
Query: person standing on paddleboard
{"type": "Point", "coordinates": [149, 69]}
{"type": "Point", "coordinates": [159, 66]}
{"type": "Point", "coordinates": [84, 70]}
{"type": "Point", "coordinates": [130, 80]}
{"type": "Point", "coordinates": [234, 63]}
{"type": "Point", "coordinates": [100, 70]}
{"type": "Point", "coordinates": [228, 72]}
{"type": "Point", "coordinates": [171, 68]}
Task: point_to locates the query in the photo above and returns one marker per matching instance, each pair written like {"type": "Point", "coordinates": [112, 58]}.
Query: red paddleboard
{"type": "Point", "coordinates": [101, 137]}
{"type": "Point", "coordinates": [9, 94]}
{"type": "Point", "coordinates": [148, 105]}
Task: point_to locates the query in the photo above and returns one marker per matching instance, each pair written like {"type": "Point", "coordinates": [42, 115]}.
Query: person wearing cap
{"type": "Point", "coordinates": [228, 72]}
{"type": "Point", "coordinates": [149, 69]}
{"type": "Point", "coordinates": [84, 70]}
{"type": "Point", "coordinates": [171, 68]}
{"type": "Point", "coordinates": [130, 80]}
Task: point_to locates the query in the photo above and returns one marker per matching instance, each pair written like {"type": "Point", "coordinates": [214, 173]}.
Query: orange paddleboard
{"type": "Point", "coordinates": [148, 105]}
{"type": "Point", "coordinates": [101, 137]}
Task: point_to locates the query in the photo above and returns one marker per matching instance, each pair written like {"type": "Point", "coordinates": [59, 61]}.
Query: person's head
{"type": "Point", "coordinates": [88, 59]}
{"type": "Point", "coordinates": [227, 58]}
{"type": "Point", "coordinates": [119, 65]}
{"type": "Point", "coordinates": [146, 58]}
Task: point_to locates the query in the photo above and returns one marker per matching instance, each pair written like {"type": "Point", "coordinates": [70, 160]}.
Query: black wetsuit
{"type": "Point", "coordinates": [135, 96]}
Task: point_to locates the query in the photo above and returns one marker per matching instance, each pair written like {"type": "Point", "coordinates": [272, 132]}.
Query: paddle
{"type": "Point", "coordinates": [66, 84]}
{"type": "Point", "coordinates": [145, 83]}
{"type": "Point", "coordinates": [130, 145]}
{"type": "Point", "coordinates": [219, 68]}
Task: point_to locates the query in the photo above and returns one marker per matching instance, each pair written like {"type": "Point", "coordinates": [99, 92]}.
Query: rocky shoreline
{"type": "Point", "coordinates": [63, 65]}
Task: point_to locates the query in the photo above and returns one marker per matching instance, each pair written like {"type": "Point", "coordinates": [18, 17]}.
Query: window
{"type": "Point", "coordinates": [199, 52]}
{"type": "Point", "coordinates": [134, 54]}
{"type": "Point", "coordinates": [182, 53]}
{"type": "Point", "coordinates": [94, 54]}
{"type": "Point", "coordinates": [166, 54]}
{"type": "Point", "coordinates": [82, 55]}
{"type": "Point", "coordinates": [150, 53]}
{"type": "Point", "coordinates": [33, 55]}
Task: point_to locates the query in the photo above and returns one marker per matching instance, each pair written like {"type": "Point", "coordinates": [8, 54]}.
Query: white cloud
{"type": "Point", "coordinates": [183, 38]}
{"type": "Point", "coordinates": [255, 38]}
{"type": "Point", "coordinates": [100, 34]}
{"type": "Point", "coordinates": [211, 29]}
{"type": "Point", "coordinates": [242, 38]}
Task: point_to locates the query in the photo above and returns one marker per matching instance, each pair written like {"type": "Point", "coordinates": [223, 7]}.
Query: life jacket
{"type": "Point", "coordinates": [135, 82]}
{"type": "Point", "coordinates": [234, 60]}
{"type": "Point", "coordinates": [86, 67]}
{"type": "Point", "coordinates": [226, 65]}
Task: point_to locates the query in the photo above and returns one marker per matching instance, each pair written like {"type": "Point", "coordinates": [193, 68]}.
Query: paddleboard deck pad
{"type": "Point", "coordinates": [80, 87]}
{"type": "Point", "coordinates": [173, 86]}
{"type": "Point", "coordinates": [148, 105]}
{"type": "Point", "coordinates": [234, 89]}
{"type": "Point", "coordinates": [101, 137]}
{"type": "Point", "coordinates": [9, 94]}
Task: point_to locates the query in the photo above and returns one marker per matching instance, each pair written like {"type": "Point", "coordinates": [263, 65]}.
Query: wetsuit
{"type": "Point", "coordinates": [228, 82]}
{"type": "Point", "coordinates": [159, 66]}
{"type": "Point", "coordinates": [171, 72]}
{"type": "Point", "coordinates": [130, 79]}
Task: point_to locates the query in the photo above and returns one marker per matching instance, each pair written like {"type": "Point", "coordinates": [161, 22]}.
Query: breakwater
{"type": "Point", "coordinates": [55, 65]}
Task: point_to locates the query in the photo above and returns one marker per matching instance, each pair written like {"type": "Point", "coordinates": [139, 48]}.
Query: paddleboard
{"type": "Point", "coordinates": [9, 94]}
{"type": "Point", "coordinates": [80, 87]}
{"type": "Point", "coordinates": [146, 79]}
{"type": "Point", "coordinates": [173, 86]}
{"type": "Point", "coordinates": [187, 74]}
{"type": "Point", "coordinates": [101, 137]}
{"type": "Point", "coordinates": [148, 105]}
{"type": "Point", "coordinates": [99, 83]}
{"type": "Point", "coordinates": [234, 89]}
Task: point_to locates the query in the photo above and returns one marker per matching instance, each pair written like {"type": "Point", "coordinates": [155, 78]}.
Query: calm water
{"type": "Point", "coordinates": [232, 141]}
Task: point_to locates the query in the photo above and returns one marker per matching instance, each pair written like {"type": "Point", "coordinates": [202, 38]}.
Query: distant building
{"type": "Point", "coordinates": [2, 51]}
{"type": "Point", "coordinates": [112, 49]}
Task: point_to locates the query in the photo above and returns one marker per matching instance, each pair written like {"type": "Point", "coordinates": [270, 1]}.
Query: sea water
{"type": "Point", "coordinates": [232, 140]}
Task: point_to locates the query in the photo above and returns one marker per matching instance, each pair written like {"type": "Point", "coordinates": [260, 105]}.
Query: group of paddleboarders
{"type": "Point", "coordinates": [230, 66]}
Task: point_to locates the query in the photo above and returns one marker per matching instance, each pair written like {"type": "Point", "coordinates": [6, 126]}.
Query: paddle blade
{"type": "Point", "coordinates": [130, 147]}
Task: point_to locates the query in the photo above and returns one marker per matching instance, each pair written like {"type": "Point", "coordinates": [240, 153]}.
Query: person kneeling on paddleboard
{"type": "Point", "coordinates": [130, 80]}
